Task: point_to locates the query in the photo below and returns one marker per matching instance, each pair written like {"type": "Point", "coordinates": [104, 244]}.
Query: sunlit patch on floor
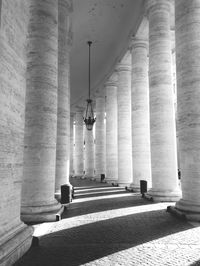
{"type": "Point", "coordinates": [48, 228]}
{"type": "Point", "coordinates": [108, 226]}
{"type": "Point", "coordinates": [177, 249]}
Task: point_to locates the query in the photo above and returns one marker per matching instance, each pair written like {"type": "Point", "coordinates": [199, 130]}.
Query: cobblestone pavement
{"type": "Point", "coordinates": [108, 226]}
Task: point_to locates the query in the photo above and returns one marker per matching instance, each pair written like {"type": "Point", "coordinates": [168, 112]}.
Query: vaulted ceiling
{"type": "Point", "coordinates": [109, 24]}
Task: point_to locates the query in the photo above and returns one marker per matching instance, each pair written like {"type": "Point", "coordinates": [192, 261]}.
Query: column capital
{"type": "Point", "coordinates": [158, 5]}
{"type": "Point", "coordinates": [125, 63]}
{"type": "Point", "coordinates": [138, 42]}
{"type": "Point", "coordinates": [112, 80]}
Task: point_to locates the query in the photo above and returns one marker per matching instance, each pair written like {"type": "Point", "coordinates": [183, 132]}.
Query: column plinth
{"type": "Point", "coordinates": [41, 115]}
{"type": "Point", "coordinates": [162, 114]}
{"type": "Point", "coordinates": [111, 132]}
{"type": "Point", "coordinates": [188, 98]}
{"type": "Point", "coordinates": [140, 114]}
{"type": "Point", "coordinates": [124, 121]}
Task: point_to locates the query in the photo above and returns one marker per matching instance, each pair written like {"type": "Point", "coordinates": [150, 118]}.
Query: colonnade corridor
{"type": "Point", "coordinates": [107, 225]}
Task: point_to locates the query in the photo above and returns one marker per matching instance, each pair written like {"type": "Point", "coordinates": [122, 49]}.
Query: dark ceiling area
{"type": "Point", "coordinates": [109, 24]}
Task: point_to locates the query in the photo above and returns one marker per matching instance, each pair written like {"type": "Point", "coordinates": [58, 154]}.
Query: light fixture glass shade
{"type": "Point", "coordinates": [89, 118]}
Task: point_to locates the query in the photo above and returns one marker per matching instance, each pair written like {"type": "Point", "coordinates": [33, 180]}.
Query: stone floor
{"type": "Point", "coordinates": [107, 225]}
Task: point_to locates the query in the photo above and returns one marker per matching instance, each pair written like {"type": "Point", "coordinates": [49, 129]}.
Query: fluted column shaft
{"type": "Point", "coordinates": [100, 137]}
{"type": "Point", "coordinates": [78, 143]}
{"type": "Point", "coordinates": [124, 121]}
{"type": "Point", "coordinates": [140, 114]}
{"type": "Point", "coordinates": [41, 114]}
{"type": "Point", "coordinates": [162, 114]}
{"type": "Point", "coordinates": [72, 143]}
{"type": "Point", "coordinates": [63, 112]}
{"type": "Point", "coordinates": [111, 132]}
{"type": "Point", "coordinates": [89, 154]}
{"type": "Point", "coordinates": [188, 97]}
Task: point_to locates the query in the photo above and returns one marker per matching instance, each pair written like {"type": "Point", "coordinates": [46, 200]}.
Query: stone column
{"type": "Point", "coordinates": [111, 132]}
{"type": "Point", "coordinates": [187, 32]}
{"type": "Point", "coordinates": [15, 236]}
{"type": "Point", "coordinates": [63, 112]}
{"type": "Point", "coordinates": [124, 121]}
{"type": "Point", "coordinates": [162, 114]}
{"type": "Point", "coordinates": [89, 154]}
{"type": "Point", "coordinates": [100, 137]}
{"type": "Point", "coordinates": [79, 143]}
{"type": "Point", "coordinates": [72, 144]}
{"type": "Point", "coordinates": [38, 202]}
{"type": "Point", "coordinates": [140, 114]}
{"type": "Point", "coordinates": [84, 129]}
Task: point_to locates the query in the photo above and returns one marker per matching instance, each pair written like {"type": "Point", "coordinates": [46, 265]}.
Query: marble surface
{"type": "Point", "coordinates": [78, 152]}
{"type": "Point", "coordinates": [162, 113]}
{"type": "Point", "coordinates": [41, 112]}
{"type": "Point", "coordinates": [140, 114]}
{"type": "Point", "coordinates": [63, 111]}
{"type": "Point", "coordinates": [71, 169]}
{"type": "Point", "coordinates": [100, 162]}
{"type": "Point", "coordinates": [124, 120]}
{"type": "Point", "coordinates": [89, 154]}
{"type": "Point", "coordinates": [188, 72]}
{"type": "Point", "coordinates": [111, 129]}
{"type": "Point", "coordinates": [15, 236]}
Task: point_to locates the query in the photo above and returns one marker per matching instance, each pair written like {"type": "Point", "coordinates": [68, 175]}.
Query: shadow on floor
{"type": "Point", "coordinates": [86, 183]}
{"type": "Point", "coordinates": [99, 194]}
{"type": "Point", "coordinates": [196, 263]}
{"type": "Point", "coordinates": [106, 204]}
{"type": "Point", "coordinates": [81, 240]}
{"type": "Point", "coordinates": [88, 242]}
{"type": "Point", "coordinates": [123, 199]}
{"type": "Point", "coordinates": [97, 189]}
{"type": "Point", "coordinates": [97, 186]}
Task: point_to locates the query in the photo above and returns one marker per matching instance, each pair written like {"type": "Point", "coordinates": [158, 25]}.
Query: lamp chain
{"type": "Point", "coordinates": [89, 43]}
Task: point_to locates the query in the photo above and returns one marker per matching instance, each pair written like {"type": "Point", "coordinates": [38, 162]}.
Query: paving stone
{"type": "Point", "coordinates": [117, 230]}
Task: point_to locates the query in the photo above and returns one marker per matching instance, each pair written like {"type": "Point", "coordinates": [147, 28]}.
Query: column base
{"type": "Point", "coordinates": [38, 214]}
{"type": "Point", "coordinates": [57, 195]}
{"type": "Point", "coordinates": [15, 244]}
{"type": "Point", "coordinates": [78, 176]}
{"type": "Point", "coordinates": [96, 178]}
{"type": "Point", "coordinates": [134, 188]}
{"type": "Point", "coordinates": [88, 177]}
{"type": "Point", "coordinates": [111, 181]}
{"type": "Point", "coordinates": [122, 184]}
{"type": "Point", "coordinates": [186, 209]}
{"type": "Point", "coordinates": [163, 196]}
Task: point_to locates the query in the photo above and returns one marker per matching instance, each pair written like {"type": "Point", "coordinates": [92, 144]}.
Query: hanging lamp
{"type": "Point", "coordinates": [89, 118]}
